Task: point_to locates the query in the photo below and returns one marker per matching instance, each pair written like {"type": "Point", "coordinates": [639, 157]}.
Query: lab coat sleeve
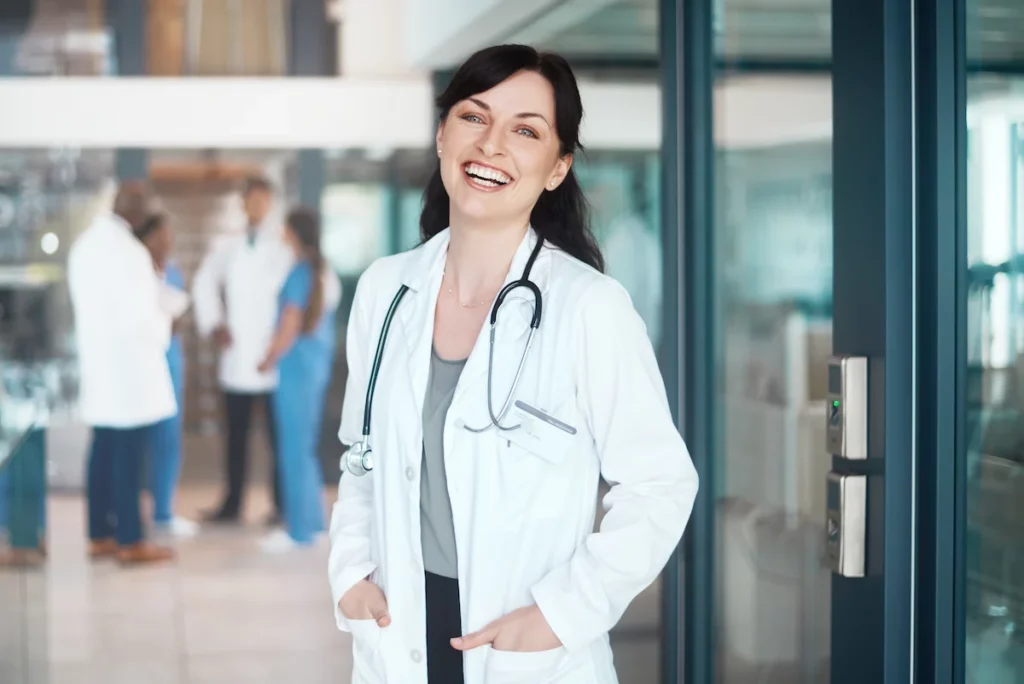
{"type": "Point", "coordinates": [139, 314]}
{"type": "Point", "coordinates": [349, 559]}
{"type": "Point", "coordinates": [653, 482]}
{"type": "Point", "coordinates": [207, 289]}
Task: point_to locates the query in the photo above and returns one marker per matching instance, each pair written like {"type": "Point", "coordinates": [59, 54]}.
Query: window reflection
{"type": "Point", "coordinates": [994, 554]}
{"type": "Point", "coordinates": [622, 189]}
{"type": "Point", "coordinates": [773, 297]}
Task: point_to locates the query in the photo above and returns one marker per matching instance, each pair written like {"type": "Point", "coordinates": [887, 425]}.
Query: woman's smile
{"type": "Point", "coordinates": [484, 177]}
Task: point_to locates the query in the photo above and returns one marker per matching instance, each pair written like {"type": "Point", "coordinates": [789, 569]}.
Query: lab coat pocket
{"type": "Point", "coordinates": [367, 663]}
{"type": "Point", "coordinates": [513, 667]}
{"type": "Point", "coordinates": [534, 461]}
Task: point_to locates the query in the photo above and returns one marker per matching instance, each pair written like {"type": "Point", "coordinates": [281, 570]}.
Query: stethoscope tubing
{"type": "Point", "coordinates": [523, 281]}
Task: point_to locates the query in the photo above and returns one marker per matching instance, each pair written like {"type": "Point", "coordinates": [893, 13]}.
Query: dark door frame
{"type": "Point", "coordinates": [941, 333]}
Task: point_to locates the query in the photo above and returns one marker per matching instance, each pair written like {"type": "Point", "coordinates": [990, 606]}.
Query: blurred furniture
{"type": "Point", "coordinates": [23, 491]}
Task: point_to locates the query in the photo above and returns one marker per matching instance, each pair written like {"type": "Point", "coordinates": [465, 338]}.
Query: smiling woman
{"type": "Point", "coordinates": [512, 114]}
{"type": "Point", "coordinates": [467, 554]}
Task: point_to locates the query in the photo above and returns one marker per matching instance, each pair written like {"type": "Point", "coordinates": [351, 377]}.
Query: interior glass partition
{"type": "Point", "coordinates": [47, 197]}
{"type": "Point", "coordinates": [993, 579]}
{"type": "Point", "coordinates": [773, 308]}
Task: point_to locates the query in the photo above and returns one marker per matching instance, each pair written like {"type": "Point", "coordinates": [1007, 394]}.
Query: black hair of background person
{"type": "Point", "coordinates": [305, 226]}
{"type": "Point", "coordinates": [562, 215]}
{"type": "Point", "coordinates": [147, 227]}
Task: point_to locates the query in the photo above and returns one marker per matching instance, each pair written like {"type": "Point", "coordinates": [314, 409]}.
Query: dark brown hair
{"type": "Point", "coordinates": [305, 225]}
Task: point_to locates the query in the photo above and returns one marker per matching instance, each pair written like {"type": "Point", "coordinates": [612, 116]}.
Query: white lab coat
{"type": "Point", "coordinates": [121, 329]}
{"type": "Point", "coordinates": [246, 278]}
{"type": "Point", "coordinates": [523, 517]}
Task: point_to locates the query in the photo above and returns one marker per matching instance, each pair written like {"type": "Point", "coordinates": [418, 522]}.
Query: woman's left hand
{"type": "Point", "coordinates": [522, 631]}
{"type": "Point", "coordinates": [265, 365]}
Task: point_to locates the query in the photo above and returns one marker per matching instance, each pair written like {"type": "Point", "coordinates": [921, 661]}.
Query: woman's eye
{"type": "Point", "coordinates": [472, 118]}
{"type": "Point", "coordinates": [527, 132]}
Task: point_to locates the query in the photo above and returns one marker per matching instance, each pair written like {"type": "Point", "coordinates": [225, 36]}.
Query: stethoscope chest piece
{"type": "Point", "coordinates": [359, 459]}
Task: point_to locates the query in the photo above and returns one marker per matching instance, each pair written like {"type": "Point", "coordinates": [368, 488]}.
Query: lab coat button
{"type": "Point", "coordinates": [410, 474]}
{"type": "Point", "coordinates": [416, 656]}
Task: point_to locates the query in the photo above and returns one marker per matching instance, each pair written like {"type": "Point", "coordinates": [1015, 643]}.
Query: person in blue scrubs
{"type": "Point", "coordinates": [302, 350]}
{"type": "Point", "coordinates": [165, 438]}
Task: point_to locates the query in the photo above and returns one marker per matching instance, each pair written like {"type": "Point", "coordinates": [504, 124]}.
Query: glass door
{"type": "Point", "coordinates": [991, 455]}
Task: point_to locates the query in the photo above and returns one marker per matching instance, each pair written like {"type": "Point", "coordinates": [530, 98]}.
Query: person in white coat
{"type": "Point", "coordinates": [123, 335]}
{"type": "Point", "coordinates": [467, 552]}
{"type": "Point", "coordinates": [235, 295]}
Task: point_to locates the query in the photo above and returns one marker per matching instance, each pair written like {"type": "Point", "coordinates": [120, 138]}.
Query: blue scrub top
{"type": "Point", "coordinates": [175, 352]}
{"type": "Point", "coordinates": [315, 348]}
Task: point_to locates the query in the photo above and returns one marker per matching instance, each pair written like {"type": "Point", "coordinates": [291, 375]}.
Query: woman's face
{"type": "Point", "coordinates": [499, 150]}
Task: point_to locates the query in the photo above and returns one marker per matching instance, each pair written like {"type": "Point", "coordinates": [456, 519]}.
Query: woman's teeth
{"type": "Point", "coordinates": [487, 176]}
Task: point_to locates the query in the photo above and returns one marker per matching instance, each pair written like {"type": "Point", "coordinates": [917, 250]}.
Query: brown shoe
{"type": "Point", "coordinates": [101, 548]}
{"type": "Point", "coordinates": [21, 558]}
{"type": "Point", "coordinates": [143, 552]}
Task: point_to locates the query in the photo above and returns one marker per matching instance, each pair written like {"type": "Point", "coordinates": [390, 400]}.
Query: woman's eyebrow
{"type": "Point", "coordinates": [521, 115]}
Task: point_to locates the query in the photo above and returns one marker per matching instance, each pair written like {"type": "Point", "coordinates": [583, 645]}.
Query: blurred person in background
{"type": "Point", "coordinates": [235, 297]}
{"type": "Point", "coordinates": [126, 386]}
{"type": "Point", "coordinates": [303, 352]}
{"type": "Point", "coordinates": [164, 465]}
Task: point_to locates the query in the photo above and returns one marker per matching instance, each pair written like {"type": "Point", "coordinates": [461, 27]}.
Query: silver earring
{"type": "Point", "coordinates": [438, 151]}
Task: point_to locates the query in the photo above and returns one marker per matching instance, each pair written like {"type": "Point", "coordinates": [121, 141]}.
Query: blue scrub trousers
{"type": "Point", "coordinates": [114, 483]}
{"type": "Point", "coordinates": [298, 407]}
{"type": "Point", "coordinates": [164, 452]}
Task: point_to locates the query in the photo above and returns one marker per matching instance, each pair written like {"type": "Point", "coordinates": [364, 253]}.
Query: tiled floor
{"type": "Point", "coordinates": [224, 612]}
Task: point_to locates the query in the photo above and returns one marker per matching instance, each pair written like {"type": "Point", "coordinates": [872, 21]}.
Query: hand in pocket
{"type": "Point", "coordinates": [365, 601]}
{"type": "Point", "coordinates": [522, 631]}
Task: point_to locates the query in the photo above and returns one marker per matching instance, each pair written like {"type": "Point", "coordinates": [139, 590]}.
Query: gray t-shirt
{"type": "Point", "coordinates": [437, 531]}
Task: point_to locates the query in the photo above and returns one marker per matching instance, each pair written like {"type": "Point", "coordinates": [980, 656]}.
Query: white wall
{"type": "Point", "coordinates": [220, 113]}
{"type": "Point", "coordinates": [351, 112]}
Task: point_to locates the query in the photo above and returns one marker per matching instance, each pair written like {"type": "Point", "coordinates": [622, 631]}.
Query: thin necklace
{"type": "Point", "coordinates": [473, 305]}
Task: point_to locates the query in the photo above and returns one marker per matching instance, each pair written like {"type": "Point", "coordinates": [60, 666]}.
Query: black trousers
{"type": "Point", "coordinates": [444, 622]}
{"type": "Point", "coordinates": [238, 408]}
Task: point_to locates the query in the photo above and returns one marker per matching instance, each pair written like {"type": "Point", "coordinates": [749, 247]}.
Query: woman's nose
{"type": "Point", "coordinates": [490, 145]}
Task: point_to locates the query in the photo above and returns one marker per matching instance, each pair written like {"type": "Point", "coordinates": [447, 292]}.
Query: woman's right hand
{"type": "Point", "coordinates": [365, 601]}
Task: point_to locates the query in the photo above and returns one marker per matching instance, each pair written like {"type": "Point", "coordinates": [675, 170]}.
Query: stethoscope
{"type": "Point", "coordinates": [359, 458]}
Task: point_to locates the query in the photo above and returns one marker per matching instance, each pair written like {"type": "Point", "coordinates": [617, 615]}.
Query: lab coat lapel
{"type": "Point", "coordinates": [416, 312]}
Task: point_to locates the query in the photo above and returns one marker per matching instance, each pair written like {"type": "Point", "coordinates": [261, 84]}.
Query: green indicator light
{"type": "Point", "coordinates": [836, 403]}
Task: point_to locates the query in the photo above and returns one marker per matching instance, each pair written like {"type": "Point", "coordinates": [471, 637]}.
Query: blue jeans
{"type": "Point", "coordinates": [114, 483]}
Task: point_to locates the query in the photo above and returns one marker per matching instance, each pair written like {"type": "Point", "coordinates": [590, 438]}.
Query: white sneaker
{"type": "Point", "coordinates": [278, 541]}
{"type": "Point", "coordinates": [178, 527]}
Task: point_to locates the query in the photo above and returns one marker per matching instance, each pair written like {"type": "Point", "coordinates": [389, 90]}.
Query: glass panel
{"type": "Point", "coordinates": [623, 191]}
{"type": "Point", "coordinates": [994, 581]}
{"type": "Point", "coordinates": [47, 197]}
{"type": "Point", "coordinates": [773, 218]}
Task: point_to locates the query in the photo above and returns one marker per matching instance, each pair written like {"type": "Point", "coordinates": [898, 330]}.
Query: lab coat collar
{"type": "Point", "coordinates": [423, 278]}
{"type": "Point", "coordinates": [429, 258]}
{"type": "Point", "coordinates": [267, 229]}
